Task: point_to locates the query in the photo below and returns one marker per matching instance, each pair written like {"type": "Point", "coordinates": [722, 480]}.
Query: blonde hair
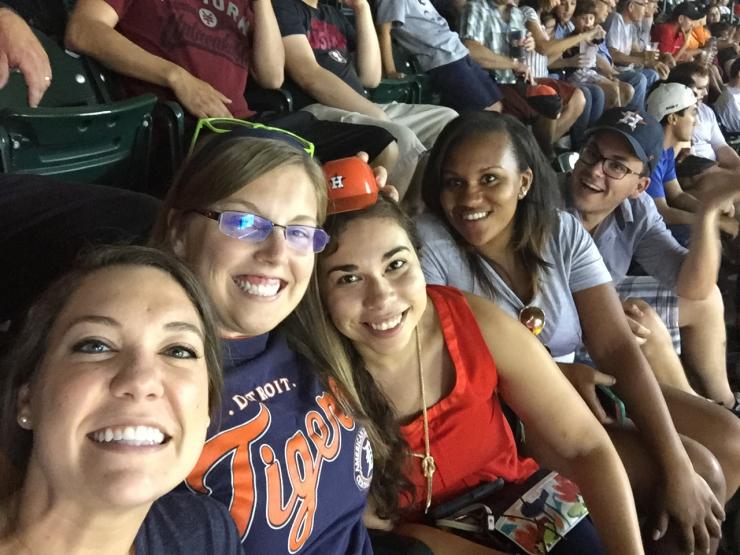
{"type": "Point", "coordinates": [224, 165]}
{"type": "Point", "coordinates": [221, 167]}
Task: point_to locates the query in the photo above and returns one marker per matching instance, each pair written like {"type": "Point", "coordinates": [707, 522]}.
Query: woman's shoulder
{"type": "Point", "coordinates": [430, 226]}
{"type": "Point", "coordinates": [184, 522]}
{"type": "Point", "coordinates": [566, 219]}
{"type": "Point", "coordinates": [436, 240]}
{"type": "Point", "coordinates": [465, 306]}
{"type": "Point", "coordinates": [568, 229]}
{"type": "Point", "coordinates": [487, 313]}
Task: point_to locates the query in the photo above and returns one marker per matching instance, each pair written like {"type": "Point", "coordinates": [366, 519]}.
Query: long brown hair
{"type": "Point", "coordinates": [536, 214]}
{"type": "Point", "coordinates": [389, 477]}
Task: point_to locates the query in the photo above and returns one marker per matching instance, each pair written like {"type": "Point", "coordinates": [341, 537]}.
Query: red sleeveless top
{"type": "Point", "coordinates": [470, 439]}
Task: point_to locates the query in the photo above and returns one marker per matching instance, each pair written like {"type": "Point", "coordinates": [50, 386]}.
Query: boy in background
{"type": "Point", "coordinates": [584, 19]}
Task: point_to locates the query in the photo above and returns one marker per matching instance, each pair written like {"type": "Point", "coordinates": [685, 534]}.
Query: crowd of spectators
{"type": "Point", "coordinates": [320, 429]}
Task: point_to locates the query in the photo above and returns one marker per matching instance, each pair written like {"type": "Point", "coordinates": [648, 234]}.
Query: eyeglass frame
{"type": "Point", "coordinates": [208, 123]}
{"type": "Point", "coordinates": [216, 215]}
{"type": "Point", "coordinates": [602, 159]}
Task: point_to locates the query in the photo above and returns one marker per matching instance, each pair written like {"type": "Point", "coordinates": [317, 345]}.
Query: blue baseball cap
{"type": "Point", "coordinates": [642, 131]}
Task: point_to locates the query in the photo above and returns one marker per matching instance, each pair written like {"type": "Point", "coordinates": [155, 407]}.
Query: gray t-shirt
{"type": "Point", "coordinates": [728, 108]}
{"type": "Point", "coordinates": [576, 265]}
{"type": "Point", "coordinates": [636, 230]}
{"type": "Point", "coordinates": [707, 137]}
{"type": "Point", "coordinates": [419, 28]}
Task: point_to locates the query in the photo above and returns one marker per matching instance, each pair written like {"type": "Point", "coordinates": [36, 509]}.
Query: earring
{"type": "Point", "coordinates": [24, 422]}
{"type": "Point", "coordinates": [522, 194]}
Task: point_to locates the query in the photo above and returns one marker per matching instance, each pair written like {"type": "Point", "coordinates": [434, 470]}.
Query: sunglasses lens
{"type": "Point", "coordinates": [225, 125]}
{"type": "Point", "coordinates": [533, 318]}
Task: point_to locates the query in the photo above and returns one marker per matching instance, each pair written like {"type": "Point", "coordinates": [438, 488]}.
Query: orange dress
{"type": "Point", "coordinates": [470, 439]}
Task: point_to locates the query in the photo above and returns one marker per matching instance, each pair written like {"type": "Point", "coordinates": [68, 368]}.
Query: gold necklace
{"type": "Point", "coordinates": [428, 466]}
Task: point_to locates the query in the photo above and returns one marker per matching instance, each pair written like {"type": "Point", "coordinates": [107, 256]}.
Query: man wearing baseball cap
{"type": "Point", "coordinates": [671, 36]}
{"type": "Point", "coordinates": [674, 106]}
{"type": "Point", "coordinates": [606, 192]}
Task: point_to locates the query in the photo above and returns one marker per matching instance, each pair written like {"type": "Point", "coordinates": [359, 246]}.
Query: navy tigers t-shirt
{"type": "Point", "coordinates": [332, 39]}
{"type": "Point", "coordinates": [292, 468]}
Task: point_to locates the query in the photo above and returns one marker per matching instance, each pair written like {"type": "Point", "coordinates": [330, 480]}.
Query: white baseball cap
{"type": "Point", "coordinates": [668, 98]}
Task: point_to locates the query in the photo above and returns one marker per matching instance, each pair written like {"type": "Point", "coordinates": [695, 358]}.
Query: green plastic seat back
{"type": "Point", "coordinates": [407, 63]}
{"type": "Point", "coordinates": [72, 83]}
{"type": "Point", "coordinates": [395, 90]}
{"type": "Point", "coordinates": [106, 144]}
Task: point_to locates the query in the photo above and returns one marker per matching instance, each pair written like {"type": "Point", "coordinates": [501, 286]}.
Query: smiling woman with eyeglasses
{"type": "Point", "coordinates": [288, 455]}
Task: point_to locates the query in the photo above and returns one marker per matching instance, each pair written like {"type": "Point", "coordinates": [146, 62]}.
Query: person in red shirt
{"type": "Point", "coordinates": [671, 36]}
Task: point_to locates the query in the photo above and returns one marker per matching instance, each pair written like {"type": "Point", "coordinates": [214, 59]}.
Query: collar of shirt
{"type": "Point", "coordinates": [240, 350]}
{"type": "Point", "coordinates": [615, 222]}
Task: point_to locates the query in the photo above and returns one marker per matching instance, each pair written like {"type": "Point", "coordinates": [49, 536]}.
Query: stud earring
{"type": "Point", "coordinates": [24, 422]}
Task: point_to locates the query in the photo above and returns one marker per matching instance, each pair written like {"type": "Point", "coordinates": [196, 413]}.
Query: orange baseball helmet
{"type": "Point", "coordinates": [351, 185]}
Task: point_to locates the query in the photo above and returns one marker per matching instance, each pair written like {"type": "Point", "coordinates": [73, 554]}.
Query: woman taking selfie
{"type": "Point", "coordinates": [105, 403]}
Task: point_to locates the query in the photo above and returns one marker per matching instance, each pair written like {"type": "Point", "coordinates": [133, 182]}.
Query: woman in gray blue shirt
{"type": "Point", "coordinates": [498, 228]}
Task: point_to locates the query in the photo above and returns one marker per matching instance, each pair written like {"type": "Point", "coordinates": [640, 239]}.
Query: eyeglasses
{"type": "Point", "coordinates": [255, 229]}
{"type": "Point", "coordinates": [612, 168]}
{"type": "Point", "coordinates": [533, 318]}
{"type": "Point", "coordinates": [224, 125]}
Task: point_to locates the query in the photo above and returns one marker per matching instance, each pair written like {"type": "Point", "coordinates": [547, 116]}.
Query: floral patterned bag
{"type": "Point", "coordinates": [531, 517]}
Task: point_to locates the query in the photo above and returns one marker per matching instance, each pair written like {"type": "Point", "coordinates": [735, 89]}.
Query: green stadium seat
{"type": "Point", "coordinates": [406, 90]}
{"type": "Point", "coordinates": [73, 83]}
{"type": "Point", "coordinates": [268, 100]}
{"type": "Point", "coordinates": [406, 63]}
{"type": "Point", "coordinates": [105, 144]}
{"type": "Point", "coordinates": [81, 91]}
